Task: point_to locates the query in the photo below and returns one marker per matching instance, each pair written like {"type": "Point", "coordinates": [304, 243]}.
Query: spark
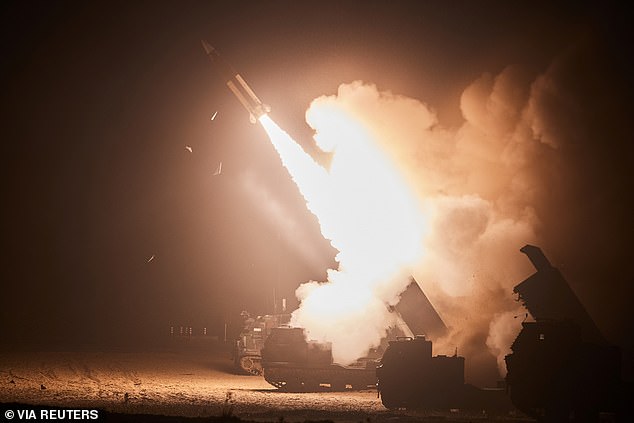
{"type": "Point", "coordinates": [150, 259]}
{"type": "Point", "coordinates": [214, 115]}
{"type": "Point", "coordinates": [218, 170]}
{"type": "Point", "coordinates": [188, 148]}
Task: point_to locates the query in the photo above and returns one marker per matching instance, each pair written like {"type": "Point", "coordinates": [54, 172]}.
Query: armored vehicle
{"type": "Point", "coordinates": [292, 363]}
{"type": "Point", "coordinates": [246, 350]}
{"type": "Point", "coordinates": [561, 368]}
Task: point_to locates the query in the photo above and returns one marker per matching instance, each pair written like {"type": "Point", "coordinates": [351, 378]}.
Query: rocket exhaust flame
{"type": "Point", "coordinates": [370, 216]}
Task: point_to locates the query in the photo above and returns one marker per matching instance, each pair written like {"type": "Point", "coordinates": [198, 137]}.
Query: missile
{"type": "Point", "coordinates": [237, 85]}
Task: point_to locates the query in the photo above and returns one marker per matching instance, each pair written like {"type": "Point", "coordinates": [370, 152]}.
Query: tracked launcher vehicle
{"type": "Point", "coordinates": [292, 363]}
{"type": "Point", "coordinates": [561, 367]}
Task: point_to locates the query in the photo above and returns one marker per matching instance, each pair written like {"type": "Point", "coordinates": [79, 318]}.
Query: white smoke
{"type": "Point", "coordinates": [479, 185]}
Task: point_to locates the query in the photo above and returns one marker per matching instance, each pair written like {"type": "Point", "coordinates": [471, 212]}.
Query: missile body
{"type": "Point", "coordinates": [237, 85]}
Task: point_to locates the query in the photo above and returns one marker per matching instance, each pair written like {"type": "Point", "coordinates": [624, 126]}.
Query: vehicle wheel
{"type": "Point", "coordinates": [251, 365]}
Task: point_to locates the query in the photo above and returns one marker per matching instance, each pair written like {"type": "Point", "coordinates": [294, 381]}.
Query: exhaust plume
{"type": "Point", "coordinates": [452, 206]}
{"type": "Point", "coordinates": [477, 189]}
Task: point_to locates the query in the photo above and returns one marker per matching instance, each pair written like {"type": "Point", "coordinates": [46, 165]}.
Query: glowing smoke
{"type": "Point", "coordinates": [481, 186]}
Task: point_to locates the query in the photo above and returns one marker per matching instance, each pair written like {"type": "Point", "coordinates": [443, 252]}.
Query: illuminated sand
{"type": "Point", "coordinates": [182, 379]}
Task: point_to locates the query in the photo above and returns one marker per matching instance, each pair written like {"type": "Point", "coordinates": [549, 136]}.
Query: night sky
{"type": "Point", "coordinates": [100, 100]}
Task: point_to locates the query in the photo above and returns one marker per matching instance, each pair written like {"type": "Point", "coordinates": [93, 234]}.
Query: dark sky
{"type": "Point", "coordinates": [99, 100]}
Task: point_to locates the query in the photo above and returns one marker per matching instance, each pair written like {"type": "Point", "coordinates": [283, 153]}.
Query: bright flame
{"type": "Point", "coordinates": [371, 217]}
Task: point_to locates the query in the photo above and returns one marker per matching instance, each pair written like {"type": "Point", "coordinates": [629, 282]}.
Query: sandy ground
{"type": "Point", "coordinates": [185, 378]}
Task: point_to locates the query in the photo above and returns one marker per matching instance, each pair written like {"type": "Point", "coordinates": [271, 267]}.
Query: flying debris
{"type": "Point", "coordinates": [214, 115]}
{"type": "Point", "coordinates": [150, 259]}
{"type": "Point", "coordinates": [237, 85]}
{"type": "Point", "coordinates": [188, 148]}
{"type": "Point", "coordinates": [218, 170]}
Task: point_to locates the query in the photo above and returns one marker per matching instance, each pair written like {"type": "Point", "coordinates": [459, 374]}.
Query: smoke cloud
{"type": "Point", "coordinates": [482, 189]}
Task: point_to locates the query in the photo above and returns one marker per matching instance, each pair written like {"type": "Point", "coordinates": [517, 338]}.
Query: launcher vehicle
{"type": "Point", "coordinates": [561, 367]}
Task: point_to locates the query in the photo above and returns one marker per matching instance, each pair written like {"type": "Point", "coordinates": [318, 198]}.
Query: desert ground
{"type": "Point", "coordinates": [188, 378]}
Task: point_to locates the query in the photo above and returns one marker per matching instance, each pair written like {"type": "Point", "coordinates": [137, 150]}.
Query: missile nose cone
{"type": "Point", "coordinates": [208, 48]}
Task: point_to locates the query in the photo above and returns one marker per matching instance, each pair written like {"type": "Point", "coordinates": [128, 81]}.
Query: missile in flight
{"type": "Point", "coordinates": [237, 85]}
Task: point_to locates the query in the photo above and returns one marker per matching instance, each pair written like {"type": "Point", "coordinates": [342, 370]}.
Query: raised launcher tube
{"type": "Point", "coordinates": [418, 313]}
{"type": "Point", "coordinates": [548, 297]}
